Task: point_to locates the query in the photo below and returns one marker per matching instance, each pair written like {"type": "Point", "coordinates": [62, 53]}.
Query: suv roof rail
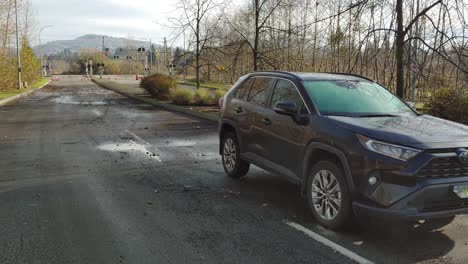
{"type": "Point", "coordinates": [351, 74]}
{"type": "Point", "coordinates": [297, 77]}
{"type": "Point", "coordinates": [282, 72]}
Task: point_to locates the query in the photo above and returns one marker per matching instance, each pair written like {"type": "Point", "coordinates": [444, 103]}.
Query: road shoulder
{"type": "Point", "coordinates": [131, 92]}
{"type": "Point", "coordinates": [20, 95]}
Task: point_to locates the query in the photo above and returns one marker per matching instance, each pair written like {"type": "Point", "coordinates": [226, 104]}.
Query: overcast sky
{"type": "Point", "coordinates": [120, 18]}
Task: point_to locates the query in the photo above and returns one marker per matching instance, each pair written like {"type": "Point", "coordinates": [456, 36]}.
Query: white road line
{"type": "Point", "coordinates": [329, 243]}
{"type": "Point", "coordinates": [147, 144]}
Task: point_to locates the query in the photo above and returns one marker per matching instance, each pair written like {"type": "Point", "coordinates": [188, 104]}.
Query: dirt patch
{"type": "Point", "coordinates": [51, 88]}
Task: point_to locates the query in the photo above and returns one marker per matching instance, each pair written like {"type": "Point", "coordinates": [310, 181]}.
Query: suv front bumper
{"type": "Point", "coordinates": [431, 201]}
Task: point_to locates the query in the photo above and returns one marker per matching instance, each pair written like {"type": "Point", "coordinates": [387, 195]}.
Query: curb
{"type": "Point", "coordinates": [18, 96]}
{"type": "Point", "coordinates": [204, 87]}
{"type": "Point", "coordinates": [165, 106]}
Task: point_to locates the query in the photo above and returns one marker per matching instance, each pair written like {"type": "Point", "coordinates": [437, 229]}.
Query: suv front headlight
{"type": "Point", "coordinates": [387, 149]}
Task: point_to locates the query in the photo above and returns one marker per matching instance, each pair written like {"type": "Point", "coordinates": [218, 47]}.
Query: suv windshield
{"type": "Point", "coordinates": [355, 98]}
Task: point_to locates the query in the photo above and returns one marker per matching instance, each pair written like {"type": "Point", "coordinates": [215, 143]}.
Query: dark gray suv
{"type": "Point", "coordinates": [353, 147]}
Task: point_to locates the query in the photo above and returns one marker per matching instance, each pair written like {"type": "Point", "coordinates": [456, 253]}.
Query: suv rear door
{"type": "Point", "coordinates": [258, 102]}
{"type": "Point", "coordinates": [282, 139]}
{"type": "Point", "coordinates": [239, 111]}
{"type": "Point", "coordinates": [249, 99]}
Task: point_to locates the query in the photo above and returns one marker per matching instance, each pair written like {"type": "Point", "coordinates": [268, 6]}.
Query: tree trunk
{"type": "Point", "coordinates": [399, 50]}
{"type": "Point", "coordinates": [197, 55]}
{"type": "Point", "coordinates": [257, 33]}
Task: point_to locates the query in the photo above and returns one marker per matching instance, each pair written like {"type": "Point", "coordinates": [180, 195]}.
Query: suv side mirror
{"type": "Point", "coordinates": [411, 104]}
{"type": "Point", "coordinates": [283, 108]}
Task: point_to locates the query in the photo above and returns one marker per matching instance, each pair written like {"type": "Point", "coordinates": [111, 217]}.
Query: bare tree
{"type": "Point", "coordinates": [197, 18]}
{"type": "Point", "coordinates": [367, 37]}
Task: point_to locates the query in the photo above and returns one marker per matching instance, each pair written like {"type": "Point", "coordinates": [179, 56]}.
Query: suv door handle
{"type": "Point", "coordinates": [239, 110]}
{"type": "Point", "coordinates": [267, 121]}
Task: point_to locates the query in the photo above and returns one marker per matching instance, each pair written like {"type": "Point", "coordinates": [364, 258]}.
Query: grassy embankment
{"type": "Point", "coordinates": [35, 85]}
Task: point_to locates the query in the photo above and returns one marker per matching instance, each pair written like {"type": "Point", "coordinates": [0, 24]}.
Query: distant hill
{"type": "Point", "coordinates": [89, 41]}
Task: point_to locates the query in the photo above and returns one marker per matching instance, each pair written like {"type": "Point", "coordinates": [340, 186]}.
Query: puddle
{"type": "Point", "coordinates": [96, 112]}
{"type": "Point", "coordinates": [66, 99]}
{"type": "Point", "coordinates": [130, 148]}
{"type": "Point", "coordinates": [189, 143]}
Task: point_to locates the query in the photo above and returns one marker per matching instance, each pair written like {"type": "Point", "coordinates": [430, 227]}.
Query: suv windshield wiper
{"type": "Point", "coordinates": [338, 114]}
{"type": "Point", "coordinates": [378, 115]}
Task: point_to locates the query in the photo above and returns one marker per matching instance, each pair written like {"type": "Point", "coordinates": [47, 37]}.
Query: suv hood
{"type": "Point", "coordinates": [422, 132]}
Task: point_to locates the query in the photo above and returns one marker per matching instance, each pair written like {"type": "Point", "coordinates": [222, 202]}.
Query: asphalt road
{"type": "Point", "coordinates": [89, 176]}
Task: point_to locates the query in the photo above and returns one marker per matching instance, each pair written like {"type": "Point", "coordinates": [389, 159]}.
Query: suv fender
{"type": "Point", "coordinates": [222, 132]}
{"type": "Point", "coordinates": [306, 164]}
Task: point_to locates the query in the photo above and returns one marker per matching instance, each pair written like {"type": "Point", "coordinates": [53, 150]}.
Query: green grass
{"type": "Point", "coordinates": [208, 85]}
{"type": "Point", "coordinates": [6, 95]}
{"type": "Point", "coordinates": [39, 83]}
{"type": "Point", "coordinates": [33, 86]}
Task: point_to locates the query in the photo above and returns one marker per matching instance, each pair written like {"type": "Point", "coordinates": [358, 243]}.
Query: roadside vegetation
{"type": "Point", "coordinates": [207, 85]}
{"type": "Point", "coordinates": [448, 103]}
{"type": "Point", "coordinates": [182, 97]}
{"type": "Point", "coordinates": [159, 86]}
{"type": "Point", "coordinates": [31, 66]}
{"type": "Point", "coordinates": [33, 86]}
{"type": "Point", "coordinates": [164, 88]}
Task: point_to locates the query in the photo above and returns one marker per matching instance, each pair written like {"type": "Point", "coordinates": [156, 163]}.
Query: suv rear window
{"type": "Point", "coordinates": [259, 91]}
{"type": "Point", "coordinates": [243, 91]}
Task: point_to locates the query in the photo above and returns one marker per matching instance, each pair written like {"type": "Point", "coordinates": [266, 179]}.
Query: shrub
{"type": "Point", "coordinates": [158, 85]}
{"type": "Point", "coordinates": [203, 97]}
{"type": "Point", "coordinates": [448, 103]}
{"type": "Point", "coordinates": [218, 95]}
{"type": "Point", "coordinates": [182, 96]}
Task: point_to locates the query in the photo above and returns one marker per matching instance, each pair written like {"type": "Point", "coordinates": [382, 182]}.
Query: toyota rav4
{"type": "Point", "coordinates": [352, 146]}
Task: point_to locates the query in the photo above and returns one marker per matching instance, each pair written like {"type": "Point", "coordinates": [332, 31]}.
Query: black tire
{"type": "Point", "coordinates": [238, 168]}
{"type": "Point", "coordinates": [344, 216]}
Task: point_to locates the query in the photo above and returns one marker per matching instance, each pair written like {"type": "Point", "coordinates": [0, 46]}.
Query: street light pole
{"type": "Point", "coordinates": [18, 55]}
{"type": "Point", "coordinates": [40, 49]}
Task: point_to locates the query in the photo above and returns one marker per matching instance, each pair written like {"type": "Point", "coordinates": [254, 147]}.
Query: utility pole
{"type": "Point", "coordinates": [103, 48]}
{"type": "Point", "coordinates": [18, 55]}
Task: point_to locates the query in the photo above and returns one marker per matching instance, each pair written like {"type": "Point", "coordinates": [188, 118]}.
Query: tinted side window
{"type": "Point", "coordinates": [243, 91]}
{"type": "Point", "coordinates": [259, 91]}
{"type": "Point", "coordinates": [286, 92]}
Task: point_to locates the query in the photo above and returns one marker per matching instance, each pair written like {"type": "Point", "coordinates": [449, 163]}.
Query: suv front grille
{"type": "Point", "coordinates": [444, 168]}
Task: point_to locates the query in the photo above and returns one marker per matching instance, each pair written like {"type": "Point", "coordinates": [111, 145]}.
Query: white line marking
{"type": "Point", "coordinates": [329, 243]}
{"type": "Point", "coordinates": [147, 144]}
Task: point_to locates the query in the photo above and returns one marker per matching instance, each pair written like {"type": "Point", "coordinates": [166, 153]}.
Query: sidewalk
{"type": "Point", "coordinates": [132, 90]}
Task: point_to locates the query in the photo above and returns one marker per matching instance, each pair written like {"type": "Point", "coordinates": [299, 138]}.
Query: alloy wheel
{"type": "Point", "coordinates": [229, 154]}
{"type": "Point", "coordinates": [326, 194]}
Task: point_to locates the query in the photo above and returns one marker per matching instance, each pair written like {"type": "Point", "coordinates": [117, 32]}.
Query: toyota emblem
{"type": "Point", "coordinates": [463, 157]}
